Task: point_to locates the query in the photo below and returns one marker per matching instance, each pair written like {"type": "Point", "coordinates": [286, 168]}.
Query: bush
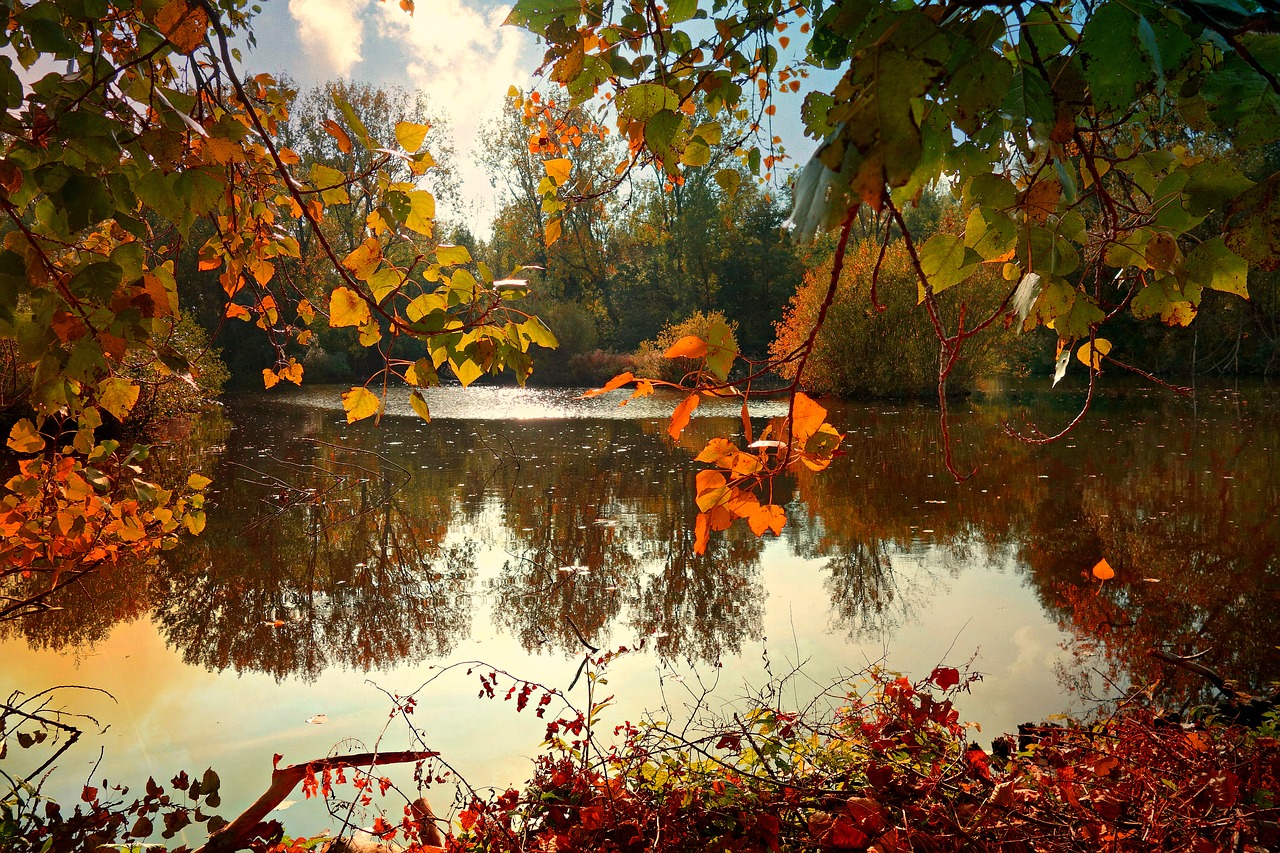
{"type": "Point", "coordinates": [890, 348]}
{"type": "Point", "coordinates": [648, 358]}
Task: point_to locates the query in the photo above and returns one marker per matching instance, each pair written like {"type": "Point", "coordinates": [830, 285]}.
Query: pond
{"type": "Point", "coordinates": [343, 563]}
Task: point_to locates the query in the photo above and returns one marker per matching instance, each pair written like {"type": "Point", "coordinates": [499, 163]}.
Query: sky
{"type": "Point", "coordinates": [457, 51]}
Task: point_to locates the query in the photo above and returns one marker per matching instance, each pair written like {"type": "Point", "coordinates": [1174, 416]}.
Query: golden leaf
{"type": "Point", "coordinates": [690, 346]}
{"type": "Point", "coordinates": [347, 308]}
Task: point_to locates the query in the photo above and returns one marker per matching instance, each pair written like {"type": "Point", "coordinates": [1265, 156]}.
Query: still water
{"type": "Point", "coordinates": [343, 563]}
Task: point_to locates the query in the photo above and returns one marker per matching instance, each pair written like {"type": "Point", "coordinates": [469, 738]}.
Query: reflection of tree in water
{"type": "Point", "coordinates": [88, 610]}
{"type": "Point", "coordinates": [602, 529]}
{"type": "Point", "coordinates": [1188, 522]}
{"type": "Point", "coordinates": [321, 556]}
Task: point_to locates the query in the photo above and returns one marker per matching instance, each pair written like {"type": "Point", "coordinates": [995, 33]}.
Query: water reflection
{"type": "Point", "coordinates": [361, 547]}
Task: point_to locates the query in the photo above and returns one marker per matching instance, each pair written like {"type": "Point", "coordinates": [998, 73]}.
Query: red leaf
{"type": "Point", "coordinates": [945, 677]}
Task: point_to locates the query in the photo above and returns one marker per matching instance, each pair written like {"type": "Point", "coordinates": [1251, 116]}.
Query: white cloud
{"type": "Point", "coordinates": [465, 60]}
{"type": "Point", "coordinates": [330, 33]}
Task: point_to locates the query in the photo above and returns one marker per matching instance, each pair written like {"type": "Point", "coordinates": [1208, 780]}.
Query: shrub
{"type": "Point", "coordinates": [888, 348]}
{"type": "Point", "coordinates": [649, 360]}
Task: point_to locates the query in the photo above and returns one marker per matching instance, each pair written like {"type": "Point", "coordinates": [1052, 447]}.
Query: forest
{"type": "Point", "coordinates": [1027, 189]}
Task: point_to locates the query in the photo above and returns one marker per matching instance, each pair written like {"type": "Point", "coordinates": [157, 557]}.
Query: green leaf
{"type": "Point", "coordinates": [1112, 64]}
{"type": "Point", "coordinates": [536, 332]}
{"type": "Point", "coordinates": [1163, 297]}
{"type": "Point", "coordinates": [1213, 265]}
{"type": "Point", "coordinates": [661, 131]}
{"type": "Point", "coordinates": [946, 261]}
{"type": "Point", "coordinates": [643, 101]}
{"type": "Point", "coordinates": [1253, 224]}
{"type": "Point", "coordinates": [989, 233]}
{"type": "Point", "coordinates": [360, 403]}
{"type": "Point", "coordinates": [729, 181]}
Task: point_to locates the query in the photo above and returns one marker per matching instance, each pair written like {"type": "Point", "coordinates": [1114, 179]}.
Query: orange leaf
{"type": "Point", "coordinates": [1103, 570]}
{"type": "Point", "coordinates": [269, 378]}
{"type": "Point", "coordinates": [807, 418]}
{"type": "Point", "coordinates": [767, 517]}
{"type": "Point", "coordinates": [702, 533]}
{"type": "Point", "coordinates": [335, 130]}
{"type": "Point", "coordinates": [613, 384]}
{"type": "Point", "coordinates": [680, 417]}
{"type": "Point", "coordinates": [712, 489]}
{"type": "Point", "coordinates": [690, 346]}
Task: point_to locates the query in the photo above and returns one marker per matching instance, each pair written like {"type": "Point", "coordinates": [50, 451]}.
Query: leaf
{"type": "Point", "coordinates": [419, 403]}
{"type": "Point", "coordinates": [421, 217]}
{"type": "Point", "coordinates": [1025, 296]}
{"type": "Point", "coordinates": [721, 351]}
{"type": "Point", "coordinates": [1213, 265]}
{"type": "Point", "coordinates": [118, 396]}
{"type": "Point", "coordinates": [1092, 353]}
{"type": "Point", "coordinates": [269, 378]}
{"type": "Point", "coordinates": [807, 418]}
{"type": "Point", "coordinates": [558, 170]}
{"type": "Point", "coordinates": [613, 384]}
{"type": "Point", "coordinates": [448, 255]}
{"type": "Point", "coordinates": [1060, 367]}
{"type": "Point", "coordinates": [198, 482]}
{"type": "Point", "coordinates": [25, 438]}
{"type": "Point", "coordinates": [411, 135]}
{"type": "Point", "coordinates": [690, 346]}
{"type": "Point", "coordinates": [360, 403]}
{"type": "Point", "coordinates": [712, 489]}
{"type": "Point", "coordinates": [946, 261]}
{"type": "Point", "coordinates": [347, 308]}
{"type": "Point", "coordinates": [1103, 571]}
{"type": "Point", "coordinates": [335, 130]}
{"type": "Point", "coordinates": [945, 677]}
{"type": "Point", "coordinates": [680, 417]}
{"type": "Point", "coordinates": [769, 517]}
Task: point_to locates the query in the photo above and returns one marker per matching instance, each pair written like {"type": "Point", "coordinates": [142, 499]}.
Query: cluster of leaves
{"type": "Point", "coordinates": [890, 769]}
{"type": "Point", "coordinates": [740, 485]}
{"type": "Point", "coordinates": [80, 507]}
{"type": "Point", "coordinates": [105, 170]}
{"type": "Point", "coordinates": [1094, 148]}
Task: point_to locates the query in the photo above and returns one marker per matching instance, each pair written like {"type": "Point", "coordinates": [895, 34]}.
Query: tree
{"type": "Point", "coordinates": [105, 168]}
{"type": "Point", "coordinates": [1093, 149]}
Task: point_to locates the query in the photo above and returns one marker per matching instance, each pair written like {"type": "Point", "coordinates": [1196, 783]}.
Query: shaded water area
{"type": "Point", "coordinates": [521, 527]}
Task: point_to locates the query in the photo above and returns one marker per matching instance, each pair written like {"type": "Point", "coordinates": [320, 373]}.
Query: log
{"type": "Point", "coordinates": [237, 834]}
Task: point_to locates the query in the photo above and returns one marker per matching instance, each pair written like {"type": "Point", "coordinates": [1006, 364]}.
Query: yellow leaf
{"type": "Point", "coordinates": [1103, 571]}
{"type": "Point", "coordinates": [719, 451]}
{"type": "Point", "coordinates": [680, 417]}
{"type": "Point", "coordinates": [558, 170]}
{"type": "Point", "coordinates": [1091, 354]}
{"type": "Point", "coordinates": [553, 230]}
{"type": "Point", "coordinates": [447, 255]}
{"type": "Point", "coordinates": [194, 522]}
{"type": "Point", "coordinates": [197, 482]}
{"type": "Point", "coordinates": [419, 403]}
{"type": "Point", "coordinates": [411, 135]}
{"type": "Point", "coordinates": [690, 346]}
{"type": "Point", "coordinates": [346, 308]}
{"type": "Point", "coordinates": [293, 372]}
{"type": "Point", "coordinates": [118, 396]}
{"type": "Point", "coordinates": [25, 438]}
{"type": "Point", "coordinates": [360, 403]}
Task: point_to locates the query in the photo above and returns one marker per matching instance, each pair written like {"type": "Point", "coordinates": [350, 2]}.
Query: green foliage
{"type": "Point", "coordinates": [1096, 147]}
